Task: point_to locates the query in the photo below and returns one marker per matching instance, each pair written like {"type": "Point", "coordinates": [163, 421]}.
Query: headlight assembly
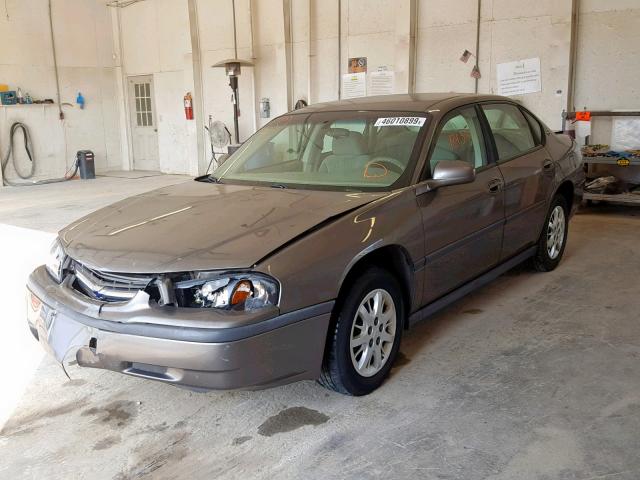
{"type": "Point", "coordinates": [228, 291]}
{"type": "Point", "coordinates": [56, 261]}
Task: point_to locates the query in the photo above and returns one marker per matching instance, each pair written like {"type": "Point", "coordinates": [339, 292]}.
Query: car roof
{"type": "Point", "coordinates": [413, 102]}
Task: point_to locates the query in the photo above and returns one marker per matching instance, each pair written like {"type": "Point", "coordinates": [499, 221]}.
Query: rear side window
{"type": "Point", "coordinates": [511, 131]}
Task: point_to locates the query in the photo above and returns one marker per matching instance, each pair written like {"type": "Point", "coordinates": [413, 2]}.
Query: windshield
{"type": "Point", "coordinates": [350, 151]}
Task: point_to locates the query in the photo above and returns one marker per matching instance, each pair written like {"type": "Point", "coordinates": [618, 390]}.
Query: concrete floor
{"type": "Point", "coordinates": [533, 377]}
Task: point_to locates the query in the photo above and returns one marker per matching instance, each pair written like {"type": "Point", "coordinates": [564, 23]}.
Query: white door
{"type": "Point", "coordinates": [144, 129]}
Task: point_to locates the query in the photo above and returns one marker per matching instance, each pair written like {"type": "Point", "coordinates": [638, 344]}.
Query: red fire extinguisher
{"type": "Point", "coordinates": [188, 106]}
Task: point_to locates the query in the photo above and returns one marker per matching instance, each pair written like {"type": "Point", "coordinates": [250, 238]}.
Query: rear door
{"type": "Point", "coordinates": [462, 223]}
{"type": "Point", "coordinates": [527, 170]}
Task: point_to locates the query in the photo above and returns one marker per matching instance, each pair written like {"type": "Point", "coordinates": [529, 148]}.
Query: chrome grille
{"type": "Point", "coordinates": [108, 286]}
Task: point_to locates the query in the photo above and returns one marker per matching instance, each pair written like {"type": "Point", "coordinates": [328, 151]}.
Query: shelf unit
{"type": "Point", "coordinates": [618, 162]}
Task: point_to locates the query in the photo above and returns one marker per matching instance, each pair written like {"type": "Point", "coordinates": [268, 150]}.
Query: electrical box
{"type": "Point", "coordinates": [265, 108]}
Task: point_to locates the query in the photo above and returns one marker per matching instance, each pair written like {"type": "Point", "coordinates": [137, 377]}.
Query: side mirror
{"type": "Point", "coordinates": [451, 172]}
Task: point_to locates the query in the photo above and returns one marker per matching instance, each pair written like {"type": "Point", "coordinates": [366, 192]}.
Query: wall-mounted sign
{"type": "Point", "coordinates": [354, 85]}
{"type": "Point", "coordinates": [381, 82]}
{"type": "Point", "coordinates": [519, 77]}
{"type": "Point", "coordinates": [357, 64]}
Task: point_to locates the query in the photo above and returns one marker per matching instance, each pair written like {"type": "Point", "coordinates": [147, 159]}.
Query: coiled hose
{"type": "Point", "coordinates": [27, 147]}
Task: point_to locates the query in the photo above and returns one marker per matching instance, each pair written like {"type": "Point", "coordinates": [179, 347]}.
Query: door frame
{"type": "Point", "coordinates": [132, 119]}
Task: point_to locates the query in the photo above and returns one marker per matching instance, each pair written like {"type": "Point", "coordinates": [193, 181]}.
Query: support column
{"type": "Point", "coordinates": [310, 51]}
{"type": "Point", "coordinates": [406, 21]}
{"type": "Point", "coordinates": [413, 44]}
{"type": "Point", "coordinates": [126, 143]}
{"type": "Point", "coordinates": [573, 55]}
{"type": "Point", "coordinates": [288, 52]}
{"type": "Point", "coordinates": [198, 97]}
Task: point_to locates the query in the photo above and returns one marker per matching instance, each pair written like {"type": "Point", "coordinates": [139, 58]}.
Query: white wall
{"type": "Point", "coordinates": [154, 38]}
{"type": "Point", "coordinates": [510, 30]}
{"type": "Point", "coordinates": [86, 63]}
{"type": "Point", "coordinates": [608, 61]}
{"type": "Point", "coordinates": [380, 30]}
{"type": "Point", "coordinates": [216, 44]}
{"type": "Point", "coordinates": [156, 41]}
{"type": "Point", "coordinates": [324, 49]}
{"type": "Point", "coordinates": [608, 66]}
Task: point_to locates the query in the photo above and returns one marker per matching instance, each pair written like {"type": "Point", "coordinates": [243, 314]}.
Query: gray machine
{"type": "Point", "coordinates": [86, 166]}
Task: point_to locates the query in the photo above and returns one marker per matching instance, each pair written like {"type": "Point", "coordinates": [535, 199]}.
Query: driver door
{"type": "Point", "coordinates": [463, 224]}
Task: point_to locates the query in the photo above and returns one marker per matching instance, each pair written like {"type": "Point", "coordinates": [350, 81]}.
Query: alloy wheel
{"type": "Point", "coordinates": [555, 232]}
{"type": "Point", "coordinates": [373, 332]}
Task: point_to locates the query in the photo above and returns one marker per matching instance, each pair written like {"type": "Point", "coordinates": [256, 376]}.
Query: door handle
{"type": "Point", "coordinates": [494, 185]}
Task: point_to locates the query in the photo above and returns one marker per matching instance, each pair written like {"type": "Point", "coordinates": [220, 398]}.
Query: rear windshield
{"type": "Point", "coordinates": [350, 151]}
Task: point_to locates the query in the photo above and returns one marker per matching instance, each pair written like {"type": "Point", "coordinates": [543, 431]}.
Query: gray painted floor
{"type": "Point", "coordinates": [533, 377]}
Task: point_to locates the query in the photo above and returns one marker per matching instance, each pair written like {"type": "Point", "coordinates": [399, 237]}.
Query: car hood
{"type": "Point", "coordinates": [200, 226]}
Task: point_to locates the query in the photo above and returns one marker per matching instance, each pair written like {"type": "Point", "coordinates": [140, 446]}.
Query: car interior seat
{"type": "Point", "coordinates": [397, 143]}
{"type": "Point", "coordinates": [348, 153]}
{"type": "Point", "coordinates": [453, 145]}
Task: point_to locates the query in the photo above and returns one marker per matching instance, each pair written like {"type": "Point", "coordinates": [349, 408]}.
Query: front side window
{"type": "Point", "coordinates": [460, 138]}
{"type": "Point", "coordinates": [511, 131]}
{"type": "Point", "coordinates": [349, 151]}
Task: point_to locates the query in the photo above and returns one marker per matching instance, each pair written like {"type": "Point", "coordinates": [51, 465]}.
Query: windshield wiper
{"type": "Point", "coordinates": [208, 179]}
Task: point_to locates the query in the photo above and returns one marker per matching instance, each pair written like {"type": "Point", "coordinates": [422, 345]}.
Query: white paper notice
{"type": "Point", "coordinates": [519, 77]}
{"type": "Point", "coordinates": [381, 82]}
{"type": "Point", "coordinates": [354, 85]}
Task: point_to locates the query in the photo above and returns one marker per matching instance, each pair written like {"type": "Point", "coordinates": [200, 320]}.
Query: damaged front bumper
{"type": "Point", "coordinates": [195, 348]}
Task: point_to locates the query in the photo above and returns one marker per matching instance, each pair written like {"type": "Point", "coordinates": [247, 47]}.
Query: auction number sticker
{"type": "Point", "coordinates": [400, 122]}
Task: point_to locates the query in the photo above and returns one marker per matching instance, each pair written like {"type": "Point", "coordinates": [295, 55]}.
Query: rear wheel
{"type": "Point", "coordinates": [365, 337]}
{"type": "Point", "coordinates": [554, 236]}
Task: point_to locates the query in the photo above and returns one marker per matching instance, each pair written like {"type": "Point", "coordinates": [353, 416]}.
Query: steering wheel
{"type": "Point", "coordinates": [389, 163]}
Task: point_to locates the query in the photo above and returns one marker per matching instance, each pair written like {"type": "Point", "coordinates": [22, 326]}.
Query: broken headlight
{"type": "Point", "coordinates": [228, 291]}
{"type": "Point", "coordinates": [56, 261]}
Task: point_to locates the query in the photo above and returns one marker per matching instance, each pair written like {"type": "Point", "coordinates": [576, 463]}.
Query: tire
{"type": "Point", "coordinates": [345, 368]}
{"type": "Point", "coordinates": [552, 243]}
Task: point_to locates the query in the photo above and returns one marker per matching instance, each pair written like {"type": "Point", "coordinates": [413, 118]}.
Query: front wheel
{"type": "Point", "coordinates": [554, 236]}
{"type": "Point", "coordinates": [365, 337]}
